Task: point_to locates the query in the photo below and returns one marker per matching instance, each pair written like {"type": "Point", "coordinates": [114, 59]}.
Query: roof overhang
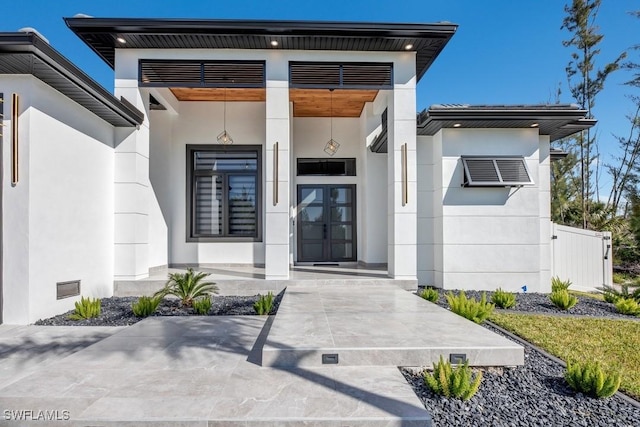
{"type": "Point", "coordinates": [27, 53]}
{"type": "Point", "coordinates": [102, 34]}
{"type": "Point", "coordinates": [556, 120]}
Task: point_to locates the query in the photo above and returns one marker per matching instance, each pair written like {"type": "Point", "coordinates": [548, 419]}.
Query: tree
{"type": "Point", "coordinates": [585, 82]}
{"type": "Point", "coordinates": [624, 173]}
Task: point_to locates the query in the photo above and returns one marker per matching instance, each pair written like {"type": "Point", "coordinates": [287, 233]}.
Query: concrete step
{"type": "Point", "coordinates": [376, 326]}
{"type": "Point", "coordinates": [247, 287]}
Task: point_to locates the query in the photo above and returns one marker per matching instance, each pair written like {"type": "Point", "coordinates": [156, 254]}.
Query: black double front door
{"type": "Point", "coordinates": [326, 223]}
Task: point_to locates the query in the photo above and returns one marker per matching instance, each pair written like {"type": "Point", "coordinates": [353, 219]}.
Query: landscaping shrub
{"type": "Point", "coordinates": [264, 305]}
{"type": "Point", "coordinates": [145, 306]}
{"type": "Point", "coordinates": [618, 278]}
{"type": "Point", "coordinates": [469, 308]}
{"type": "Point", "coordinates": [563, 299]}
{"type": "Point", "coordinates": [503, 299]}
{"type": "Point", "coordinates": [626, 291]}
{"type": "Point", "coordinates": [610, 296]}
{"type": "Point", "coordinates": [429, 294]}
{"type": "Point", "coordinates": [559, 285]}
{"type": "Point", "coordinates": [86, 308]}
{"type": "Point", "coordinates": [590, 379]}
{"type": "Point", "coordinates": [187, 287]}
{"type": "Point", "coordinates": [628, 306]}
{"type": "Point", "coordinates": [202, 305]}
{"type": "Point", "coordinates": [453, 382]}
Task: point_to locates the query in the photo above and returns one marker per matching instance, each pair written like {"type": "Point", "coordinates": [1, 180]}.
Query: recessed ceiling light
{"type": "Point", "coordinates": [274, 43]}
{"type": "Point", "coordinates": [535, 125]}
{"type": "Point", "coordinates": [121, 40]}
{"type": "Point", "coordinates": [457, 125]}
{"type": "Point", "coordinates": [408, 47]}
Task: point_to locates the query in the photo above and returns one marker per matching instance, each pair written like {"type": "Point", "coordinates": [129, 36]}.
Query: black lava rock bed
{"type": "Point", "coordinates": [116, 311]}
{"type": "Point", "coordinates": [531, 395]}
{"type": "Point", "coordinates": [540, 303]}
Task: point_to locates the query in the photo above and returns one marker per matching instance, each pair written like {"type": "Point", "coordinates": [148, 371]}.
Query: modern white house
{"type": "Point", "coordinates": [261, 143]}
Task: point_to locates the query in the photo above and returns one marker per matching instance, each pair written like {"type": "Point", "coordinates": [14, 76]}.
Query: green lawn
{"type": "Point", "coordinates": [593, 295]}
{"type": "Point", "coordinates": [614, 343]}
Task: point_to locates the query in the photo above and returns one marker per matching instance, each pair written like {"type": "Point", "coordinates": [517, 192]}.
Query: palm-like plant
{"type": "Point", "coordinates": [188, 286]}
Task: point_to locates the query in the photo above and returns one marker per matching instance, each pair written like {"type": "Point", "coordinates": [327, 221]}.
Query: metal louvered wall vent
{"type": "Point", "coordinates": [495, 172]}
{"type": "Point", "coordinates": [67, 289]}
{"type": "Point", "coordinates": [347, 75]}
{"type": "Point", "coordinates": [177, 73]}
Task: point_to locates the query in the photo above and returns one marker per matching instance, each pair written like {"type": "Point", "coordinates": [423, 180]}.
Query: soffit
{"type": "Point", "coordinates": [26, 53]}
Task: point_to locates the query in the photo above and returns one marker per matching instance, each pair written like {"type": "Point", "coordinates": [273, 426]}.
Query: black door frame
{"type": "Point", "coordinates": [327, 223]}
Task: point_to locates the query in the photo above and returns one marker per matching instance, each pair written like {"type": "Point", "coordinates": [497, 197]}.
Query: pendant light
{"type": "Point", "coordinates": [332, 145]}
{"type": "Point", "coordinates": [224, 137]}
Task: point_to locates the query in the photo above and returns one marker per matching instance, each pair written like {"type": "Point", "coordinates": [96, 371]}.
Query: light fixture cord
{"type": "Point", "coordinates": [331, 112]}
{"type": "Point", "coordinates": [224, 111]}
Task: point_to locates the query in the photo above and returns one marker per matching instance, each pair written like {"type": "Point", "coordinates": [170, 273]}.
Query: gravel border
{"type": "Point", "coordinates": [534, 394]}
{"type": "Point", "coordinates": [540, 304]}
{"type": "Point", "coordinates": [116, 311]}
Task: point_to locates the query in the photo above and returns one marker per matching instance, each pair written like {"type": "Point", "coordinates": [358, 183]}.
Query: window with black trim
{"type": "Point", "coordinates": [224, 192]}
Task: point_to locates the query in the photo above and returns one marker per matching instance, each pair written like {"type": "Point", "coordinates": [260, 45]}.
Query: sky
{"type": "Point", "coordinates": [504, 52]}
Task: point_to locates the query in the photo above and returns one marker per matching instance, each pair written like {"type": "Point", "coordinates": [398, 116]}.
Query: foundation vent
{"type": "Point", "coordinates": [67, 289]}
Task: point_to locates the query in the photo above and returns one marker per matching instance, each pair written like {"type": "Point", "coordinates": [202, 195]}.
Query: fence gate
{"type": "Point", "coordinates": [582, 256]}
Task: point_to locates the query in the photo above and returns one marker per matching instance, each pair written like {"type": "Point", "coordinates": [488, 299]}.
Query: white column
{"type": "Point", "coordinates": [544, 183]}
{"type": "Point", "coordinates": [402, 217]}
{"type": "Point", "coordinates": [131, 181]}
{"type": "Point", "coordinates": [276, 225]}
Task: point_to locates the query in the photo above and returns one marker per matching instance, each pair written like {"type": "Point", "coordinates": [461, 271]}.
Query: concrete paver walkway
{"type": "Point", "coordinates": [203, 371]}
{"type": "Point", "coordinates": [208, 371]}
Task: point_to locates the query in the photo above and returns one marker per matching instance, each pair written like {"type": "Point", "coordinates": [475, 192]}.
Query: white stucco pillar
{"type": "Point", "coordinates": [131, 180]}
{"type": "Point", "coordinates": [402, 215]}
{"type": "Point", "coordinates": [276, 225]}
{"type": "Point", "coordinates": [544, 182]}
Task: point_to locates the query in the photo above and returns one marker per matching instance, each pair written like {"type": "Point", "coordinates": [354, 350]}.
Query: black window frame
{"type": "Point", "coordinates": [323, 163]}
{"type": "Point", "coordinates": [191, 236]}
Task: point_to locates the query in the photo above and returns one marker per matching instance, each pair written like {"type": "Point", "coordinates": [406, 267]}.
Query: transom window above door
{"type": "Point", "coordinates": [224, 194]}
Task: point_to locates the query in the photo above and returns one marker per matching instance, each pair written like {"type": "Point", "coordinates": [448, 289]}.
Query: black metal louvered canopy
{"type": "Point", "coordinates": [191, 74]}
{"type": "Point", "coordinates": [495, 172]}
{"type": "Point", "coordinates": [103, 35]}
{"type": "Point", "coordinates": [345, 75]}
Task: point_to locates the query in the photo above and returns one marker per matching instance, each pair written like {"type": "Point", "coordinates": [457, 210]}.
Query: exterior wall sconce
{"type": "Point", "coordinates": [332, 145]}
{"type": "Point", "coordinates": [275, 173]}
{"type": "Point", "coordinates": [224, 137]}
{"type": "Point", "coordinates": [405, 178]}
{"type": "Point", "coordinates": [15, 109]}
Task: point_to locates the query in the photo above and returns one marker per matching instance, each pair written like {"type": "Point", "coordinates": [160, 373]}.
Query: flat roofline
{"type": "Point", "coordinates": [556, 120]}
{"type": "Point", "coordinates": [100, 34]}
{"type": "Point", "coordinates": [31, 43]}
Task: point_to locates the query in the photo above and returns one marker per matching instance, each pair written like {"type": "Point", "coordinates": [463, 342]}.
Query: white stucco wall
{"type": "Point", "coordinates": [58, 223]}
{"type": "Point", "coordinates": [196, 123]}
{"type": "Point", "coordinates": [200, 122]}
{"type": "Point", "coordinates": [483, 238]}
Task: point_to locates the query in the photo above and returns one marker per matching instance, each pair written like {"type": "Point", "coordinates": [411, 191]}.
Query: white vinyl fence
{"type": "Point", "coordinates": [582, 256]}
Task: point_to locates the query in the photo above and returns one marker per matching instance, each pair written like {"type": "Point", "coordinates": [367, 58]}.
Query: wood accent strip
{"type": "Point", "coordinates": [317, 102]}
{"type": "Point", "coordinates": [217, 94]}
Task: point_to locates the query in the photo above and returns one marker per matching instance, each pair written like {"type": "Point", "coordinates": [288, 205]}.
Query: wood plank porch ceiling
{"type": "Point", "coordinates": [306, 102]}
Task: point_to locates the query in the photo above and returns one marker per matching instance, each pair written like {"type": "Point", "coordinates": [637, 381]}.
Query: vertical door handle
{"type": "Point", "coordinates": [324, 231]}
